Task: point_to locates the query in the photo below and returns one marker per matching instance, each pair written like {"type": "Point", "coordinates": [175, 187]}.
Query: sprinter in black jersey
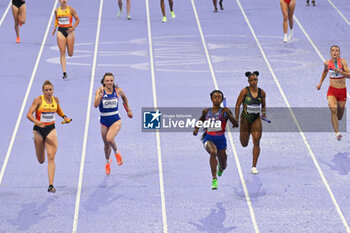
{"type": "Point", "coordinates": [253, 99]}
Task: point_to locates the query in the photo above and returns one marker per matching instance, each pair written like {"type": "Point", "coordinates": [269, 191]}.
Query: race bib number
{"type": "Point", "coordinates": [254, 109]}
{"type": "Point", "coordinates": [111, 103]}
{"type": "Point", "coordinates": [214, 125]}
{"type": "Point", "coordinates": [333, 74]}
{"type": "Point", "coordinates": [47, 117]}
{"type": "Point", "coordinates": [63, 20]}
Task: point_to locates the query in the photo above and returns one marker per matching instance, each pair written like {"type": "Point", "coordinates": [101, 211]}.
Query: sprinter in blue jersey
{"type": "Point", "coordinates": [107, 99]}
{"type": "Point", "coordinates": [214, 139]}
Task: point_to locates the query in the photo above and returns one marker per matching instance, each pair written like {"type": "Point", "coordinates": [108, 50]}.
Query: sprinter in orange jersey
{"type": "Point", "coordinates": [45, 137]}
{"type": "Point", "coordinates": [65, 35]}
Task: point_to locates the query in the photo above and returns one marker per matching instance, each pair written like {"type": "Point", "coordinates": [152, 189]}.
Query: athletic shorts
{"type": "Point", "coordinates": [219, 141]}
{"type": "Point", "coordinates": [45, 130]}
{"type": "Point", "coordinates": [287, 1]}
{"type": "Point", "coordinates": [18, 3]}
{"type": "Point", "coordinates": [64, 31]}
{"type": "Point", "coordinates": [339, 93]}
{"type": "Point", "coordinates": [109, 120]}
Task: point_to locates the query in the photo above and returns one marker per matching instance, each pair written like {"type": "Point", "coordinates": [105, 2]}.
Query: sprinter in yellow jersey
{"type": "Point", "coordinates": [65, 35]}
{"type": "Point", "coordinates": [45, 137]}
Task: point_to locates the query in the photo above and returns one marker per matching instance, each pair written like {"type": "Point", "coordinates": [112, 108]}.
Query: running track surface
{"type": "Point", "coordinates": [164, 186]}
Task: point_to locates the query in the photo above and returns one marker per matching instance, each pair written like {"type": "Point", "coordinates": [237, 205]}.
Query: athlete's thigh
{"type": "Point", "coordinates": [70, 43]}
{"type": "Point", "coordinates": [61, 41]}
{"type": "Point", "coordinates": [332, 101]}
{"type": "Point", "coordinates": [39, 145]}
{"type": "Point", "coordinates": [256, 129]}
{"type": "Point", "coordinates": [104, 131]}
{"type": "Point", "coordinates": [244, 130]}
{"type": "Point", "coordinates": [210, 147]}
{"type": "Point", "coordinates": [15, 11]}
{"type": "Point", "coordinates": [23, 12]}
{"type": "Point", "coordinates": [114, 129]}
{"type": "Point", "coordinates": [341, 108]}
{"type": "Point", "coordinates": [51, 142]}
{"type": "Point", "coordinates": [291, 8]}
{"type": "Point", "coordinates": [284, 8]}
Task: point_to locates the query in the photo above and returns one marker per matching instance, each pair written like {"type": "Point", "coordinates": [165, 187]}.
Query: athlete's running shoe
{"type": "Point", "coordinates": [172, 14]}
{"type": "Point", "coordinates": [313, 3]}
{"type": "Point", "coordinates": [18, 40]}
{"type": "Point", "coordinates": [119, 13]}
{"type": "Point", "coordinates": [65, 75]}
{"type": "Point", "coordinates": [51, 189]}
{"type": "Point", "coordinates": [214, 184]}
{"type": "Point", "coordinates": [119, 158]}
{"type": "Point", "coordinates": [219, 170]}
{"type": "Point", "coordinates": [254, 170]}
{"type": "Point", "coordinates": [221, 6]}
{"type": "Point", "coordinates": [164, 19]}
{"type": "Point", "coordinates": [285, 38]}
{"type": "Point", "coordinates": [307, 2]}
{"type": "Point", "coordinates": [290, 36]}
{"type": "Point", "coordinates": [129, 17]}
{"type": "Point", "coordinates": [108, 167]}
{"type": "Point", "coordinates": [338, 136]}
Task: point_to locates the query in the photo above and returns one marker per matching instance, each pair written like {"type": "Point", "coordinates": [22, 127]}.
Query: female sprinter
{"type": "Point", "coordinates": [214, 139]}
{"type": "Point", "coordinates": [253, 99]}
{"type": "Point", "coordinates": [65, 35]}
{"type": "Point", "coordinates": [287, 7]}
{"type": "Point", "coordinates": [107, 99]}
{"type": "Point", "coordinates": [120, 4]}
{"type": "Point", "coordinates": [336, 95]}
{"type": "Point", "coordinates": [162, 7]}
{"type": "Point", "coordinates": [19, 15]}
{"type": "Point", "coordinates": [45, 137]}
{"type": "Point", "coordinates": [215, 2]}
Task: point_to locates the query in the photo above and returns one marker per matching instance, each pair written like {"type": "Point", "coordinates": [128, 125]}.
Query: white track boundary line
{"type": "Point", "coordinates": [83, 154]}
{"type": "Point", "coordinates": [5, 13]}
{"type": "Point", "coordinates": [313, 44]}
{"type": "Point", "coordinates": [26, 96]}
{"type": "Point", "coordinates": [160, 165]}
{"type": "Point", "coordinates": [297, 123]}
{"type": "Point", "coordinates": [346, 20]}
{"type": "Point", "coordinates": [239, 168]}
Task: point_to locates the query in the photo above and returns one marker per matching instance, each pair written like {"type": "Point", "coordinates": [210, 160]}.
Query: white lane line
{"type": "Point", "coordinates": [313, 44]}
{"type": "Point", "coordinates": [26, 95]}
{"type": "Point", "coordinates": [346, 20]}
{"type": "Point", "coordinates": [325, 182]}
{"type": "Point", "coordinates": [160, 165]}
{"type": "Point", "coordinates": [246, 193]}
{"type": "Point", "coordinates": [5, 13]}
{"type": "Point", "coordinates": [89, 103]}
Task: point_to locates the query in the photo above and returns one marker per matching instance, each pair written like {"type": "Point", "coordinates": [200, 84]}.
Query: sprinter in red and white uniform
{"type": "Point", "coordinates": [338, 70]}
{"type": "Point", "coordinates": [287, 7]}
